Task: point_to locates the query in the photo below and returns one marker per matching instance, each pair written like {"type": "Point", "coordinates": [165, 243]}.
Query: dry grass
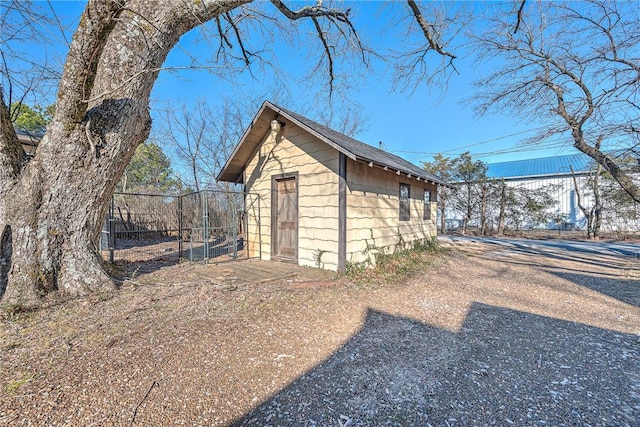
{"type": "Point", "coordinates": [444, 345]}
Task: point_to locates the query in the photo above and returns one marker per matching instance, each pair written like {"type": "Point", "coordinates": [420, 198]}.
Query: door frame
{"type": "Point", "coordinates": [274, 214]}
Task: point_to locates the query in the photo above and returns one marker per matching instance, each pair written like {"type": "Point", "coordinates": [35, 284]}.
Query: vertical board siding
{"type": "Point", "coordinates": [564, 195]}
{"type": "Point", "coordinates": [373, 206]}
{"type": "Point", "coordinates": [566, 207]}
{"type": "Point", "coordinates": [316, 164]}
{"type": "Point", "coordinates": [567, 204]}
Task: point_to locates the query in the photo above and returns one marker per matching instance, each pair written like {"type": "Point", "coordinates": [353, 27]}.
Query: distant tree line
{"type": "Point", "coordinates": [493, 206]}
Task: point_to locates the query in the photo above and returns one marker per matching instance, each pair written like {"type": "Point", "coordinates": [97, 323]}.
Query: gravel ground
{"type": "Point", "coordinates": [480, 337]}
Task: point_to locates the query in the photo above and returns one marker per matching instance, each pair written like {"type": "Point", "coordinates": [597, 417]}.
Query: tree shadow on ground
{"type": "Point", "coordinates": [625, 290]}
{"type": "Point", "coordinates": [564, 255]}
{"type": "Point", "coordinates": [503, 367]}
{"type": "Point", "coordinates": [590, 253]}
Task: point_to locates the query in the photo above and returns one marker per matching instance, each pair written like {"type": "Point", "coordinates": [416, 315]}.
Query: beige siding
{"type": "Point", "coordinates": [373, 212]}
{"type": "Point", "coordinates": [316, 164]}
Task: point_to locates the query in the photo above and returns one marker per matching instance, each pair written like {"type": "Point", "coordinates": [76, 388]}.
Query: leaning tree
{"type": "Point", "coordinates": [52, 206]}
{"type": "Point", "coordinates": [575, 66]}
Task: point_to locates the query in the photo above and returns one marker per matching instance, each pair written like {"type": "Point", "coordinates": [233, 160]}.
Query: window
{"type": "Point", "coordinates": [427, 204]}
{"type": "Point", "coordinates": [404, 195]}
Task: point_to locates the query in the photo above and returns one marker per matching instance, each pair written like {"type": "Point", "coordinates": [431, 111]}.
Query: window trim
{"type": "Point", "coordinates": [427, 204]}
{"type": "Point", "coordinates": [404, 205]}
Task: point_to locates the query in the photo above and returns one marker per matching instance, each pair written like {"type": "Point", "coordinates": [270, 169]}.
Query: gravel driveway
{"type": "Point", "coordinates": [484, 336]}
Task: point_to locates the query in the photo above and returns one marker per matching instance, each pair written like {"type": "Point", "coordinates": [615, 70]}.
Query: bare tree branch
{"type": "Point", "coordinates": [335, 18]}
{"type": "Point", "coordinates": [223, 36]}
{"type": "Point", "coordinates": [245, 53]}
{"type": "Point", "coordinates": [576, 67]}
{"type": "Point", "coordinates": [327, 51]}
{"type": "Point", "coordinates": [429, 33]}
{"type": "Point", "coordinates": [312, 11]}
{"type": "Point", "coordinates": [519, 18]}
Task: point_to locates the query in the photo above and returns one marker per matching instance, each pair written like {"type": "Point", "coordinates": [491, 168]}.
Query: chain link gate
{"type": "Point", "coordinates": [163, 229]}
{"type": "Point", "coordinates": [212, 224]}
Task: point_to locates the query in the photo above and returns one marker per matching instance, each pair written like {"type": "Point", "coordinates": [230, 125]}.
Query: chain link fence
{"type": "Point", "coordinates": [152, 229]}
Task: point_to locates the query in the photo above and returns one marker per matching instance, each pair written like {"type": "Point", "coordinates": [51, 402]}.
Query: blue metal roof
{"type": "Point", "coordinates": [546, 166]}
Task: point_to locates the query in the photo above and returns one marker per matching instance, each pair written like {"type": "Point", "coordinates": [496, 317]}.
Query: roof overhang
{"type": "Point", "coordinates": [233, 169]}
{"type": "Point", "coordinates": [251, 139]}
{"type": "Point", "coordinates": [254, 135]}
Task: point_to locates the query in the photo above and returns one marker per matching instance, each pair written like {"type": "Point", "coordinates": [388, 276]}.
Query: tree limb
{"type": "Point", "coordinates": [223, 37]}
{"type": "Point", "coordinates": [96, 23]}
{"type": "Point", "coordinates": [12, 154]}
{"type": "Point", "coordinates": [312, 11]}
{"type": "Point", "coordinates": [519, 20]}
{"type": "Point", "coordinates": [334, 16]}
{"type": "Point", "coordinates": [327, 51]}
{"type": "Point", "coordinates": [245, 53]}
{"type": "Point", "coordinates": [430, 34]}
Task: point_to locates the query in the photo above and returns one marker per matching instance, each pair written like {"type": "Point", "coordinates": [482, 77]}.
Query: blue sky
{"type": "Point", "coordinates": [412, 124]}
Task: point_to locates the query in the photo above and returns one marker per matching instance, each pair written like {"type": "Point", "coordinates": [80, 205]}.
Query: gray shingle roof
{"type": "Point", "coordinates": [352, 148]}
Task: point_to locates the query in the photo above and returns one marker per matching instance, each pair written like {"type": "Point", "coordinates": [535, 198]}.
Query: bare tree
{"type": "Point", "coordinates": [23, 75]}
{"type": "Point", "coordinates": [203, 136]}
{"type": "Point", "coordinates": [428, 57]}
{"type": "Point", "coordinates": [348, 118]}
{"type": "Point", "coordinates": [442, 167]}
{"type": "Point", "coordinates": [51, 208]}
{"type": "Point", "coordinates": [574, 65]}
{"type": "Point", "coordinates": [503, 208]}
{"type": "Point", "coordinates": [592, 214]}
{"type": "Point", "coordinates": [470, 177]}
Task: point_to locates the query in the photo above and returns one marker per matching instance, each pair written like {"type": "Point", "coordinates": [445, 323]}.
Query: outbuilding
{"type": "Point", "coordinates": [316, 197]}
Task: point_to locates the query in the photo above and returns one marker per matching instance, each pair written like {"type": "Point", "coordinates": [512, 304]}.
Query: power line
{"type": "Point", "coordinates": [498, 138]}
{"type": "Point", "coordinates": [556, 143]}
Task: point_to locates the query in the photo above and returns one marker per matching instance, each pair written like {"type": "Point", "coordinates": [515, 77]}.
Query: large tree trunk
{"type": "Point", "coordinates": [52, 207]}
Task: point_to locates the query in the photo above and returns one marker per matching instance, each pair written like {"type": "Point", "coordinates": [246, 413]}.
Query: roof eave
{"type": "Point", "coordinates": [425, 178]}
{"type": "Point", "coordinates": [225, 175]}
{"type": "Point", "coordinates": [313, 132]}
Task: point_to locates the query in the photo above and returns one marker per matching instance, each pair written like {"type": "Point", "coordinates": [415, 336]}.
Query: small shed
{"type": "Point", "coordinates": [319, 198]}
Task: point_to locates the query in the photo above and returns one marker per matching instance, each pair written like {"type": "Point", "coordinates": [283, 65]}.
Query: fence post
{"type": "Point", "coordinates": [179, 227]}
{"type": "Point", "coordinates": [205, 225]}
{"type": "Point", "coordinates": [234, 228]}
{"type": "Point", "coordinates": [111, 231]}
{"type": "Point", "coordinates": [245, 225]}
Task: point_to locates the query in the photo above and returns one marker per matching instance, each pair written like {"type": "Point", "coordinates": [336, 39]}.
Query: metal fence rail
{"type": "Point", "coordinates": [155, 228]}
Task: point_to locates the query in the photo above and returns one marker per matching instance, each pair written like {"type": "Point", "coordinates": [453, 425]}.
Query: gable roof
{"type": "Point", "coordinates": [545, 166]}
{"type": "Point", "coordinates": [350, 147]}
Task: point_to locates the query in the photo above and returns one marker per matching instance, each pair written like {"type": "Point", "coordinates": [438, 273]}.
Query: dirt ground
{"type": "Point", "coordinates": [480, 337]}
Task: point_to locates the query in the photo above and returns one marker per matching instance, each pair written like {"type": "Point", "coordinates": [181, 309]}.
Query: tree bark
{"type": "Point", "coordinates": [503, 208]}
{"type": "Point", "coordinates": [588, 214]}
{"type": "Point", "coordinates": [483, 207]}
{"type": "Point", "coordinates": [616, 171]}
{"type": "Point", "coordinates": [51, 208]}
{"type": "Point", "coordinates": [597, 208]}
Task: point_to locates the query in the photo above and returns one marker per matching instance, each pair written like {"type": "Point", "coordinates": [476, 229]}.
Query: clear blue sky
{"type": "Point", "coordinates": [413, 125]}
